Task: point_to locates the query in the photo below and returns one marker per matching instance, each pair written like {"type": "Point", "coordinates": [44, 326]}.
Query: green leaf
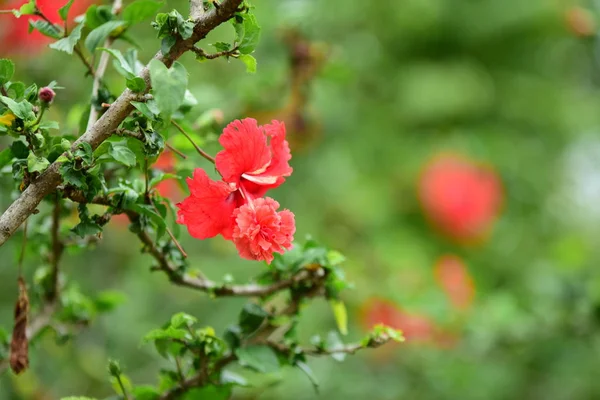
{"type": "Point", "coordinates": [251, 34]}
{"type": "Point", "coordinates": [169, 85]}
{"type": "Point", "coordinates": [251, 317]}
{"type": "Point", "coordinates": [121, 153]}
{"type": "Point", "coordinates": [26, 9]}
{"type": "Point", "coordinates": [260, 358]}
{"type": "Point", "coordinates": [333, 343]}
{"type": "Point", "coordinates": [97, 15]}
{"type": "Point", "coordinates": [108, 300]}
{"type": "Point", "coordinates": [7, 69]}
{"type": "Point", "coordinates": [340, 314]}
{"type": "Point", "coordinates": [78, 398]}
{"type": "Point", "coordinates": [68, 43]}
{"type": "Point", "coordinates": [22, 109]}
{"type": "Point", "coordinates": [308, 372]}
{"type": "Point", "coordinates": [210, 392]}
{"type": "Point", "coordinates": [19, 149]}
{"type": "Point", "coordinates": [99, 34]}
{"type": "Point", "coordinates": [145, 392]}
{"type": "Point", "coordinates": [136, 84]}
{"type": "Point", "coordinates": [64, 10]}
{"type": "Point", "coordinates": [156, 219]}
{"type": "Point", "coordinates": [169, 333]}
{"type": "Point", "coordinates": [72, 176]}
{"type": "Point", "coordinates": [181, 318]}
{"type": "Point", "coordinates": [250, 62]}
{"type": "Point", "coordinates": [123, 63]}
{"type": "Point", "coordinates": [229, 377]}
{"type": "Point", "coordinates": [141, 10]}
{"type": "Point", "coordinates": [6, 157]}
{"type": "Point", "coordinates": [222, 46]}
{"type": "Point", "coordinates": [44, 28]}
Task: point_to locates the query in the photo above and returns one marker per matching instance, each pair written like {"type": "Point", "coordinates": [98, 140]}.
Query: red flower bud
{"type": "Point", "coordinates": [46, 95]}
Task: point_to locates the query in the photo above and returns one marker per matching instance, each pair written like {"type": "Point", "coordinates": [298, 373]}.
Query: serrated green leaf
{"type": "Point", "coordinates": [68, 43]}
{"type": "Point", "coordinates": [7, 70]}
{"type": "Point", "coordinates": [251, 34]}
{"type": "Point", "coordinates": [340, 314]}
{"type": "Point", "coordinates": [99, 34]}
{"type": "Point", "coordinates": [141, 10]}
{"type": "Point", "coordinates": [260, 358]}
{"type": "Point", "coordinates": [181, 318]}
{"type": "Point", "coordinates": [168, 85]}
{"type": "Point", "coordinates": [22, 109]}
{"type": "Point", "coordinates": [64, 10]}
{"type": "Point", "coordinates": [249, 61]}
{"type": "Point", "coordinates": [121, 153]}
{"type": "Point", "coordinates": [44, 28]}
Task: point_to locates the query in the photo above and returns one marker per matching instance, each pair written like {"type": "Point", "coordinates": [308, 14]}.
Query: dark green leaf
{"type": "Point", "coordinates": [99, 34]}
{"type": "Point", "coordinates": [72, 176]}
{"type": "Point", "coordinates": [249, 61]}
{"type": "Point", "coordinates": [6, 157]}
{"type": "Point", "coordinates": [121, 153]}
{"type": "Point", "coordinates": [7, 69]}
{"type": "Point", "coordinates": [68, 43]}
{"type": "Point", "coordinates": [19, 149]}
{"type": "Point", "coordinates": [64, 10]}
{"type": "Point", "coordinates": [141, 10]}
{"type": "Point", "coordinates": [260, 358]}
{"type": "Point", "coordinates": [44, 28]}
{"type": "Point", "coordinates": [251, 317]}
{"type": "Point", "coordinates": [156, 219]}
{"type": "Point", "coordinates": [169, 85]}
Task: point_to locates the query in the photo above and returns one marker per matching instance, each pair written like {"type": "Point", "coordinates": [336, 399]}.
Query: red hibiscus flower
{"type": "Point", "coordinates": [459, 197]}
{"type": "Point", "coordinates": [453, 276]}
{"type": "Point", "coordinates": [254, 160]}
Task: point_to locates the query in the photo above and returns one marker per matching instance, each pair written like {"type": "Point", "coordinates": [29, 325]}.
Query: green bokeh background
{"type": "Point", "coordinates": [504, 82]}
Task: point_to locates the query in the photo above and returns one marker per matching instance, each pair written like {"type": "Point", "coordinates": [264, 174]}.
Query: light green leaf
{"type": "Point", "coordinates": [169, 333]}
{"type": "Point", "coordinates": [22, 109]}
{"type": "Point", "coordinates": [36, 164]}
{"type": "Point", "coordinates": [121, 153]}
{"type": "Point", "coordinates": [181, 318]}
{"type": "Point", "coordinates": [340, 314]}
{"type": "Point", "coordinates": [145, 392]}
{"type": "Point", "coordinates": [7, 69]}
{"type": "Point", "coordinates": [68, 43]}
{"type": "Point", "coordinates": [99, 34]}
{"type": "Point", "coordinates": [260, 358]}
{"type": "Point", "coordinates": [123, 63]}
{"type": "Point", "coordinates": [169, 85]}
{"type": "Point", "coordinates": [250, 62]}
{"type": "Point", "coordinates": [64, 10]}
{"type": "Point", "coordinates": [251, 34]}
{"type": "Point", "coordinates": [26, 9]}
{"type": "Point", "coordinates": [136, 84]}
{"type": "Point", "coordinates": [148, 109]}
{"type": "Point", "coordinates": [141, 10]}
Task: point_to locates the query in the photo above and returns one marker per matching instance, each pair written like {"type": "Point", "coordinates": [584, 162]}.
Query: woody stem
{"type": "Point", "coordinates": [198, 149]}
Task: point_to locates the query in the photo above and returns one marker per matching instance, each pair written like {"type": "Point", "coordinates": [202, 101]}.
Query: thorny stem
{"type": "Point", "coordinates": [198, 149]}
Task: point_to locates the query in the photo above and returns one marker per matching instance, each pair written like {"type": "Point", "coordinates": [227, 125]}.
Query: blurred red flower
{"type": "Point", "coordinates": [381, 311]}
{"type": "Point", "coordinates": [14, 34]}
{"type": "Point", "coordinates": [580, 22]}
{"type": "Point", "coordinates": [459, 197]}
{"type": "Point", "coordinates": [452, 275]}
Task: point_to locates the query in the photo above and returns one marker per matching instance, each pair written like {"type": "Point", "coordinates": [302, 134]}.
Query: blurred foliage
{"type": "Point", "coordinates": [513, 84]}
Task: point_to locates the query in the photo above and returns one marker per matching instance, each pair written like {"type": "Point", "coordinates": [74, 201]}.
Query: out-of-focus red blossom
{"type": "Point", "coordinates": [260, 230]}
{"type": "Point", "coordinates": [254, 160]}
{"type": "Point", "coordinates": [452, 275]}
{"type": "Point", "coordinates": [14, 34]}
{"type": "Point", "coordinates": [580, 22]}
{"type": "Point", "coordinates": [380, 311]}
{"type": "Point", "coordinates": [461, 198]}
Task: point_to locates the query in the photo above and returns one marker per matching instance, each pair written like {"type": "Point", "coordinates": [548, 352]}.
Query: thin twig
{"type": "Point", "coordinates": [198, 149]}
{"type": "Point", "coordinates": [174, 150]}
{"type": "Point", "coordinates": [227, 53]}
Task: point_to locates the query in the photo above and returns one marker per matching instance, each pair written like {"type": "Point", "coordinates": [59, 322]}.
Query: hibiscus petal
{"type": "Point", "coordinates": [245, 150]}
{"type": "Point", "coordinates": [208, 210]}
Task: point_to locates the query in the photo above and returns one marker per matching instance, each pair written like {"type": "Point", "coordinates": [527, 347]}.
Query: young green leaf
{"type": "Point", "coordinates": [340, 314]}
{"type": "Point", "coordinates": [250, 62]}
{"type": "Point", "coordinates": [7, 69]}
{"type": "Point", "coordinates": [136, 84]}
{"type": "Point", "coordinates": [141, 10]}
{"type": "Point", "coordinates": [251, 34]}
{"type": "Point", "coordinates": [122, 62]}
{"type": "Point", "coordinates": [22, 109]}
{"type": "Point", "coordinates": [99, 34]}
{"type": "Point", "coordinates": [68, 43]}
{"type": "Point", "coordinates": [64, 10]}
{"type": "Point", "coordinates": [260, 358]}
{"type": "Point", "coordinates": [26, 9]}
{"type": "Point", "coordinates": [121, 153]}
{"type": "Point", "coordinates": [169, 85]}
{"type": "Point", "coordinates": [181, 318]}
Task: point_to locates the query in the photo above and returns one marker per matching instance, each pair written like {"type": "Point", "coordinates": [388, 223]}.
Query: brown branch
{"type": "Point", "coordinates": [198, 149]}
{"type": "Point", "coordinates": [227, 53]}
{"type": "Point", "coordinates": [47, 182]}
